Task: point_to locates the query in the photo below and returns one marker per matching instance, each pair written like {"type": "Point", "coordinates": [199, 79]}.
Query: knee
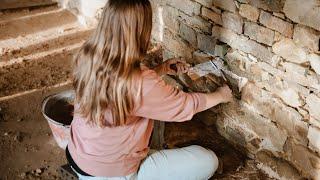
{"type": "Point", "coordinates": [206, 159]}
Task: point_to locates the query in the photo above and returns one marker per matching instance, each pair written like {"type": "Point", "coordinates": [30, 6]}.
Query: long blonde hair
{"type": "Point", "coordinates": [105, 66]}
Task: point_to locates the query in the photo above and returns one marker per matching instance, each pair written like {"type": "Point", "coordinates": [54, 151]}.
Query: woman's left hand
{"type": "Point", "coordinates": [175, 66]}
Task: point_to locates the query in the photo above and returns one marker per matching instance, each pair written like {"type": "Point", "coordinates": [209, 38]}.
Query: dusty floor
{"type": "Point", "coordinates": [30, 152]}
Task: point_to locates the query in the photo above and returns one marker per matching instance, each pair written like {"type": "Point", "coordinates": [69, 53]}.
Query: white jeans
{"type": "Point", "coordinates": [192, 162]}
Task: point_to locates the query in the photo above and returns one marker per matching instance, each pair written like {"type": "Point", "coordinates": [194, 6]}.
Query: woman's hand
{"type": "Point", "coordinates": [173, 66]}
{"type": "Point", "coordinates": [225, 93]}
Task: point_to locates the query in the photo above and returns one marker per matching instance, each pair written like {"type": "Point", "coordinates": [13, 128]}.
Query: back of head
{"type": "Point", "coordinates": [105, 65]}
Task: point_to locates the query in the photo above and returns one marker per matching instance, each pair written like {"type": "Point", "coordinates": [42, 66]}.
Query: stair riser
{"type": "Point", "coordinates": [48, 45]}
{"type": "Point", "coordinates": [36, 73]}
{"type": "Point", "coordinates": [35, 23]}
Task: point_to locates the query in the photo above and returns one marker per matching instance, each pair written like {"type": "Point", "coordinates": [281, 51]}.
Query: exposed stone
{"type": "Point", "coordinates": [176, 45]}
{"type": "Point", "coordinates": [228, 5]}
{"type": "Point", "coordinates": [259, 33]}
{"type": "Point", "coordinates": [206, 43]}
{"type": "Point", "coordinates": [280, 15]}
{"type": "Point", "coordinates": [167, 54]}
{"type": "Point", "coordinates": [206, 3]}
{"type": "Point", "coordinates": [290, 97]}
{"type": "Point", "coordinates": [232, 21]}
{"type": "Point", "coordinates": [197, 22]}
{"type": "Point", "coordinates": [306, 37]}
{"type": "Point", "coordinates": [170, 18]}
{"type": "Point", "coordinates": [189, 7]}
{"type": "Point", "coordinates": [288, 50]}
{"type": "Point", "coordinates": [242, 43]}
{"type": "Point", "coordinates": [221, 50]}
{"type": "Point", "coordinates": [269, 5]}
{"type": "Point", "coordinates": [279, 168]}
{"type": "Point", "coordinates": [313, 103]}
{"type": "Point", "coordinates": [201, 57]}
{"type": "Point", "coordinates": [276, 24]}
{"type": "Point", "coordinates": [188, 34]}
{"type": "Point", "coordinates": [315, 62]}
{"type": "Point", "coordinates": [213, 16]}
{"type": "Point", "coordinates": [308, 13]}
{"type": "Point", "coordinates": [262, 102]}
{"type": "Point", "coordinates": [314, 140]}
{"type": "Point", "coordinates": [304, 160]}
{"type": "Point", "coordinates": [249, 12]}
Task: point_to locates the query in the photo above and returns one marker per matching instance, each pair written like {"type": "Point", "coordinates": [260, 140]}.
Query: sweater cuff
{"type": "Point", "coordinates": [202, 102]}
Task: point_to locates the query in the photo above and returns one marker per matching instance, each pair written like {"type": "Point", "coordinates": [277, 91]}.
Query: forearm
{"type": "Point", "coordinates": [213, 99]}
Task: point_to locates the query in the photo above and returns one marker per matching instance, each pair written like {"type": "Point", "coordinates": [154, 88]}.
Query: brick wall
{"type": "Point", "coordinates": [275, 44]}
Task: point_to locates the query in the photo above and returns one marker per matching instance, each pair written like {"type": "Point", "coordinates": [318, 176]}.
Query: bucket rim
{"type": "Point", "coordinates": [45, 101]}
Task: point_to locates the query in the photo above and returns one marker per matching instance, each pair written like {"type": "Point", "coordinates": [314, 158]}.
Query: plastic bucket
{"type": "Point", "coordinates": [58, 111]}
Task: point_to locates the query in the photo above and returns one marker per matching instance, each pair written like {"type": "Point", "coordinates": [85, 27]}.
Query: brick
{"type": "Point", "coordinates": [268, 5]}
{"type": "Point", "coordinates": [259, 33]}
{"type": "Point", "coordinates": [189, 7]}
{"type": "Point", "coordinates": [176, 45]}
{"type": "Point", "coordinates": [167, 54]}
{"type": "Point", "coordinates": [313, 103]}
{"type": "Point", "coordinates": [206, 43]}
{"type": "Point", "coordinates": [307, 14]}
{"type": "Point", "coordinates": [242, 43]}
{"type": "Point", "coordinates": [313, 136]}
{"type": "Point", "coordinates": [197, 22]}
{"type": "Point", "coordinates": [228, 5]}
{"type": "Point", "coordinates": [276, 24]}
{"type": "Point", "coordinates": [315, 62]}
{"type": "Point", "coordinates": [213, 16]}
{"type": "Point", "coordinates": [170, 18]}
{"type": "Point", "coordinates": [188, 34]}
{"type": "Point", "coordinates": [232, 21]}
{"type": "Point", "coordinates": [303, 159]}
{"type": "Point", "coordinates": [206, 3]}
{"type": "Point", "coordinates": [249, 12]}
{"type": "Point", "coordinates": [306, 37]}
{"type": "Point", "coordinates": [287, 49]}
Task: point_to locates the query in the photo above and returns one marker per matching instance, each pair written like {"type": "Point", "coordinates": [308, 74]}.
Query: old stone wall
{"type": "Point", "coordinates": [275, 44]}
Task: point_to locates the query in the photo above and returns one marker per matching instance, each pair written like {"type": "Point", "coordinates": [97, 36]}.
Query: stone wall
{"type": "Point", "coordinates": [275, 44]}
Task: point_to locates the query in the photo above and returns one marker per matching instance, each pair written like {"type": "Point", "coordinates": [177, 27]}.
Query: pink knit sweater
{"type": "Point", "coordinates": [118, 151]}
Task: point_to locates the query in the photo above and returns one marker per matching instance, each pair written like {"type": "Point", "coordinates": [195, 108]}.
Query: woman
{"type": "Point", "coordinates": [116, 98]}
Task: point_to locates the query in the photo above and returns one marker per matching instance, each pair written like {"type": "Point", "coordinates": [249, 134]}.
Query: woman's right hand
{"type": "Point", "coordinates": [225, 93]}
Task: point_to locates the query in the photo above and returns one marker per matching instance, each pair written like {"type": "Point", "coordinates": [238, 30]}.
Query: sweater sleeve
{"type": "Point", "coordinates": [163, 102]}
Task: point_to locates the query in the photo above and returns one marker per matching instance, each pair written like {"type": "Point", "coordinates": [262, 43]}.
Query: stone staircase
{"type": "Point", "coordinates": [36, 49]}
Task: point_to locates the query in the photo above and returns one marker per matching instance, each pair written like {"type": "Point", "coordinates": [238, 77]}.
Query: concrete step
{"type": "Point", "coordinates": [37, 70]}
{"type": "Point", "coordinates": [35, 43]}
{"type": "Point", "coordinates": [27, 105]}
{"type": "Point", "coordinates": [10, 4]}
{"type": "Point", "coordinates": [35, 23]}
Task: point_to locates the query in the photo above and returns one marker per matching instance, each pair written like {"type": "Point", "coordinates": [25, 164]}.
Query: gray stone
{"type": "Point", "coordinates": [259, 33]}
{"type": "Point", "coordinates": [276, 24]}
{"type": "Point", "coordinates": [268, 5]}
{"type": "Point", "coordinates": [206, 3]}
{"type": "Point", "coordinates": [176, 45]}
{"type": "Point", "coordinates": [307, 14]}
{"type": "Point", "coordinates": [206, 43]}
{"type": "Point", "coordinates": [197, 22]}
{"type": "Point", "coordinates": [188, 34]}
{"type": "Point", "coordinates": [189, 7]}
{"type": "Point", "coordinates": [170, 18]}
{"type": "Point", "coordinates": [314, 140]}
{"type": "Point", "coordinates": [232, 21]}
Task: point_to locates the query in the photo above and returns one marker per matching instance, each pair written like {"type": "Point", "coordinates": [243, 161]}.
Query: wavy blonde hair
{"type": "Point", "coordinates": [107, 63]}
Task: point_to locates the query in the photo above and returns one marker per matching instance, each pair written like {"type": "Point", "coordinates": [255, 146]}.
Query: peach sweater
{"type": "Point", "coordinates": [118, 151]}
